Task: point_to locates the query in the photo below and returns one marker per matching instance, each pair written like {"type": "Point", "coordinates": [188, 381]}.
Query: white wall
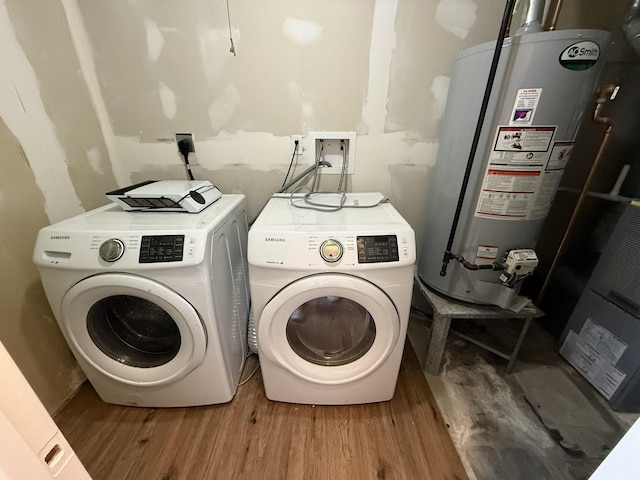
{"type": "Point", "coordinates": [379, 68]}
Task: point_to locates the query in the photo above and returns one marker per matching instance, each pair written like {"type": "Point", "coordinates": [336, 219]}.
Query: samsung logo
{"type": "Point", "coordinates": [275, 239]}
{"type": "Point", "coordinates": [60, 237]}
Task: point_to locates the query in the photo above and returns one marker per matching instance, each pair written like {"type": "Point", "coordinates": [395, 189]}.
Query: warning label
{"type": "Point", "coordinates": [594, 352]}
{"type": "Point", "coordinates": [560, 154]}
{"type": "Point", "coordinates": [524, 139]}
{"type": "Point", "coordinates": [486, 254]}
{"type": "Point", "coordinates": [517, 185]}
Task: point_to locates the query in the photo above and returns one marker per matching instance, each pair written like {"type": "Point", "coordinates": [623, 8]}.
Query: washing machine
{"type": "Point", "coordinates": [154, 305]}
{"type": "Point", "coordinates": [331, 293]}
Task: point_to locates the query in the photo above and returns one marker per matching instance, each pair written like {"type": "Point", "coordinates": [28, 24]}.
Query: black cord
{"type": "Point", "coordinates": [184, 147]}
{"type": "Point", "coordinates": [508, 11]}
{"type": "Point", "coordinates": [293, 156]}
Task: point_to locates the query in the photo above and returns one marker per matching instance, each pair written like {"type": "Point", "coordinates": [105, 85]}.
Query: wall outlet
{"type": "Point", "coordinates": [188, 138]}
{"type": "Point", "coordinates": [293, 144]}
{"type": "Point", "coordinates": [333, 147]}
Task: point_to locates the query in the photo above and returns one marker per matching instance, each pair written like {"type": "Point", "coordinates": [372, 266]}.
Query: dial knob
{"type": "Point", "coordinates": [112, 249]}
{"type": "Point", "coordinates": [331, 250]}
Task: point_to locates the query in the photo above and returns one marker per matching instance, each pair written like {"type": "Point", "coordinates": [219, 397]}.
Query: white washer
{"type": "Point", "coordinates": [153, 305]}
{"type": "Point", "coordinates": [331, 294]}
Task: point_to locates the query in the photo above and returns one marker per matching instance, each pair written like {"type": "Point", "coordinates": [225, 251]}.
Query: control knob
{"type": "Point", "coordinates": [111, 250]}
{"type": "Point", "coordinates": [331, 250]}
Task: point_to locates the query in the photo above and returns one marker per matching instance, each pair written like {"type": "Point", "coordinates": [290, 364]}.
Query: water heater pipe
{"type": "Point", "coordinates": [504, 25]}
{"type": "Point", "coordinates": [533, 19]}
{"type": "Point", "coordinates": [552, 15]}
{"type": "Point", "coordinates": [603, 94]}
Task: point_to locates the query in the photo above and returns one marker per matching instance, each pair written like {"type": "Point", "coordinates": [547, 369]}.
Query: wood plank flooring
{"type": "Point", "coordinates": [254, 438]}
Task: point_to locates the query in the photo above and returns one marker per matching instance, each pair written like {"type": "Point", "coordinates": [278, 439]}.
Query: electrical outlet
{"type": "Point", "coordinates": [187, 137]}
{"type": "Point", "coordinates": [297, 138]}
{"type": "Point", "coordinates": [333, 147]}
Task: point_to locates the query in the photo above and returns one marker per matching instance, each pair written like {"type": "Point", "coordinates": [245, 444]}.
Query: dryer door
{"type": "Point", "coordinates": [133, 329]}
{"type": "Point", "coordinates": [329, 328]}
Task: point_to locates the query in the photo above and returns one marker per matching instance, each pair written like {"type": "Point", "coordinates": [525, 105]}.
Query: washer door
{"type": "Point", "coordinates": [133, 329]}
{"type": "Point", "coordinates": [329, 328]}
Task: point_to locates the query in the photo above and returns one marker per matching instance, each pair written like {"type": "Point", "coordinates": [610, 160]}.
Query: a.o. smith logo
{"type": "Point", "coordinates": [274, 239]}
{"type": "Point", "coordinates": [580, 56]}
{"type": "Point", "coordinates": [60, 237]}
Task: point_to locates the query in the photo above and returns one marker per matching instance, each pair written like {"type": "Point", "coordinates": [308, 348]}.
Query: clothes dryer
{"type": "Point", "coordinates": [331, 294]}
{"type": "Point", "coordinates": [153, 305]}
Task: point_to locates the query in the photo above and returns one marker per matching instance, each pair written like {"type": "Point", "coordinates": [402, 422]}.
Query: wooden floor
{"type": "Point", "coordinates": [254, 438]}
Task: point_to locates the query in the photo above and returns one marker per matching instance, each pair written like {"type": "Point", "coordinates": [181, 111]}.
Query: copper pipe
{"type": "Point", "coordinates": [602, 94]}
{"type": "Point", "coordinates": [552, 15]}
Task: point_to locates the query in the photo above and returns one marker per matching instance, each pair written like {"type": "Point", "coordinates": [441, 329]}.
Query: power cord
{"type": "Point", "coordinates": [293, 157]}
{"type": "Point", "coordinates": [184, 148]}
{"type": "Point", "coordinates": [251, 374]}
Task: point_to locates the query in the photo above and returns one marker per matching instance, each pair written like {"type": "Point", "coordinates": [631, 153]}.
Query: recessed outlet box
{"type": "Point", "coordinates": [335, 148]}
{"type": "Point", "coordinates": [297, 138]}
{"type": "Point", "coordinates": [188, 138]}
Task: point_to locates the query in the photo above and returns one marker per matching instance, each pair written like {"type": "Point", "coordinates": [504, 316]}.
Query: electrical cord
{"type": "Point", "coordinates": [293, 156]}
{"type": "Point", "coordinates": [253, 372]}
{"type": "Point", "coordinates": [184, 148]}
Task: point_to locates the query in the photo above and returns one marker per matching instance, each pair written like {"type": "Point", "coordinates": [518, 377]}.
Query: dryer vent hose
{"type": "Point", "coordinates": [252, 333]}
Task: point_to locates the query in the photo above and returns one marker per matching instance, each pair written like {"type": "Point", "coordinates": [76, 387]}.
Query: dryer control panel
{"type": "Point", "coordinates": [161, 248]}
{"type": "Point", "coordinates": [377, 248]}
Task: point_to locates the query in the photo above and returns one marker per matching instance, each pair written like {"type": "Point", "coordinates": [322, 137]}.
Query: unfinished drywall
{"type": "Point", "coordinates": [378, 68]}
{"type": "Point", "coordinates": [54, 165]}
{"type": "Point", "coordinates": [42, 32]}
{"type": "Point", "coordinates": [29, 331]}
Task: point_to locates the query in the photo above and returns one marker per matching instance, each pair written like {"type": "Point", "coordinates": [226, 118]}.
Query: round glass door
{"type": "Point", "coordinates": [133, 329]}
{"type": "Point", "coordinates": [329, 328]}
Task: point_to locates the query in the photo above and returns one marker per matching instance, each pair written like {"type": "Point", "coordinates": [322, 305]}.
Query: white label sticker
{"type": "Point", "coordinates": [546, 191]}
{"type": "Point", "coordinates": [515, 175]}
{"type": "Point", "coordinates": [486, 254]}
{"type": "Point", "coordinates": [524, 107]}
{"type": "Point", "coordinates": [594, 352]}
{"type": "Point", "coordinates": [524, 139]}
{"type": "Point", "coordinates": [560, 154]}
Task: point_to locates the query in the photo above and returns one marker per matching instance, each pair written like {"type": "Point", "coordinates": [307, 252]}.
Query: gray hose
{"type": "Point", "coordinates": [252, 333]}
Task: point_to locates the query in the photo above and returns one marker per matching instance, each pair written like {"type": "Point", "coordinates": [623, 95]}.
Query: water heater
{"type": "Point", "coordinates": [543, 85]}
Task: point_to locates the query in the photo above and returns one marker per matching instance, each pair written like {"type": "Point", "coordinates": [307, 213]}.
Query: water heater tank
{"type": "Point", "coordinates": [543, 86]}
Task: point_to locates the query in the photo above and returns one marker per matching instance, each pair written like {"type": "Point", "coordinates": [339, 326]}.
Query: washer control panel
{"type": "Point", "coordinates": [377, 248]}
{"type": "Point", "coordinates": [331, 250]}
{"type": "Point", "coordinates": [161, 248]}
{"type": "Point", "coordinates": [111, 250]}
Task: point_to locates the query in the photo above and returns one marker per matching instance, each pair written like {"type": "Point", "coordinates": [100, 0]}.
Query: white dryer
{"type": "Point", "coordinates": [331, 294]}
{"type": "Point", "coordinates": [153, 305]}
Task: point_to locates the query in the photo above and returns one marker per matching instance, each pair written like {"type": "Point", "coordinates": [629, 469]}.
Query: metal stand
{"type": "Point", "coordinates": [446, 309]}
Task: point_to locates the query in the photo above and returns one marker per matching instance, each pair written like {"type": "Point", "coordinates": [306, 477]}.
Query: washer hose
{"type": "Point", "coordinates": [252, 333]}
